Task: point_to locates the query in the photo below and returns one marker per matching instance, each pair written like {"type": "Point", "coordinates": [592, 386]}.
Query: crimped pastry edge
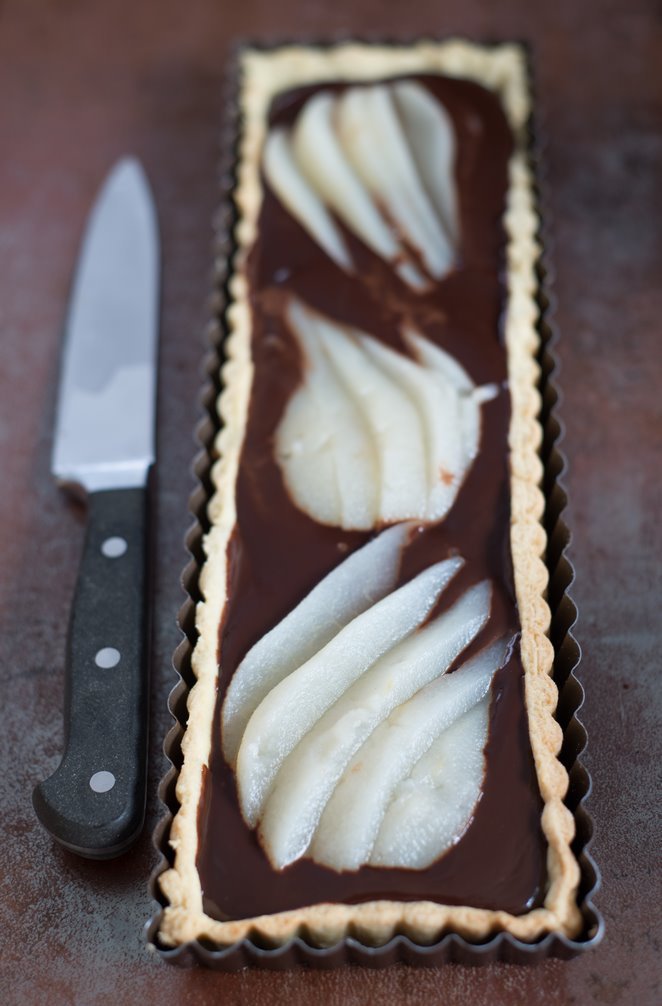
{"type": "Point", "coordinates": [503, 69]}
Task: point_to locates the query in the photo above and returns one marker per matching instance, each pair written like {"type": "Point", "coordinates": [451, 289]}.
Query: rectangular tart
{"type": "Point", "coordinates": [371, 747]}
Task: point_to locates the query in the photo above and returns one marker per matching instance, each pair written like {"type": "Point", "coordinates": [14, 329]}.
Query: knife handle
{"type": "Point", "coordinates": [94, 803]}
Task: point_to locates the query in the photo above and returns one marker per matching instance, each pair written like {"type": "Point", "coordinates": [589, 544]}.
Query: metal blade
{"type": "Point", "coordinates": [104, 436]}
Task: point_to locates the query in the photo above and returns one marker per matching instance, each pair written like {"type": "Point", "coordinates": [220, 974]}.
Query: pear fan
{"type": "Point", "coordinates": [380, 159]}
{"type": "Point", "coordinates": [310, 774]}
{"type": "Point", "coordinates": [292, 707]}
{"type": "Point", "coordinates": [371, 435]}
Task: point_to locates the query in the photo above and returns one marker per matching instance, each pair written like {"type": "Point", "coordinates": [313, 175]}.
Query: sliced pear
{"type": "Point", "coordinates": [372, 434]}
{"type": "Point", "coordinates": [333, 418]}
{"type": "Point", "coordinates": [470, 398]}
{"type": "Point", "coordinates": [297, 440]}
{"type": "Point", "coordinates": [310, 774]}
{"type": "Point", "coordinates": [298, 196]}
{"type": "Point", "coordinates": [364, 578]}
{"type": "Point", "coordinates": [431, 140]}
{"type": "Point", "coordinates": [324, 163]}
{"type": "Point", "coordinates": [373, 140]}
{"type": "Point", "coordinates": [436, 400]}
{"type": "Point", "coordinates": [393, 420]}
{"type": "Point", "coordinates": [294, 706]}
{"type": "Point", "coordinates": [376, 156]}
{"type": "Point", "coordinates": [352, 818]}
{"type": "Point", "coordinates": [433, 807]}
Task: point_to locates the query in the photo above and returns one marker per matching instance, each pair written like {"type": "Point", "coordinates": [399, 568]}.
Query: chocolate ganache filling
{"type": "Point", "coordinates": [277, 554]}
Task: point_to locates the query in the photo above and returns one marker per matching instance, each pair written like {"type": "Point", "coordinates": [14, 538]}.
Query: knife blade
{"type": "Point", "coordinates": [94, 802]}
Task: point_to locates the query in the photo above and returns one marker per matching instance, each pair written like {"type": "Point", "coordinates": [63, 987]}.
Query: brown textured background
{"type": "Point", "coordinates": [82, 82]}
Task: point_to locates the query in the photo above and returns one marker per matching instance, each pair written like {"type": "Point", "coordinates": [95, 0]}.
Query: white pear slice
{"type": "Point", "coordinates": [393, 420]}
{"type": "Point", "coordinates": [470, 397]}
{"type": "Point", "coordinates": [432, 808]}
{"type": "Point", "coordinates": [431, 140]}
{"type": "Point", "coordinates": [300, 198]}
{"type": "Point", "coordinates": [310, 774]}
{"type": "Point", "coordinates": [297, 440]}
{"type": "Point", "coordinates": [364, 578]}
{"type": "Point", "coordinates": [293, 706]}
{"type": "Point", "coordinates": [437, 401]}
{"type": "Point", "coordinates": [323, 162]}
{"type": "Point", "coordinates": [375, 144]}
{"type": "Point", "coordinates": [322, 415]}
{"type": "Point", "coordinates": [353, 816]}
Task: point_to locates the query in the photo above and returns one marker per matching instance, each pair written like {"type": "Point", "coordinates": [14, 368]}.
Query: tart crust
{"type": "Point", "coordinates": [264, 74]}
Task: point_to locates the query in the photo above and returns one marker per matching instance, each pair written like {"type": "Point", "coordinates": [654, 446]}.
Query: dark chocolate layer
{"type": "Point", "coordinates": [277, 554]}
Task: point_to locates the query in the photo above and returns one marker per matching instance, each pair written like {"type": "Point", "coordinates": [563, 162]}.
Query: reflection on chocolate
{"type": "Point", "coordinates": [277, 554]}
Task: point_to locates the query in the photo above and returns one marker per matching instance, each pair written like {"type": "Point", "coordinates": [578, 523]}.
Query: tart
{"type": "Point", "coordinates": [371, 748]}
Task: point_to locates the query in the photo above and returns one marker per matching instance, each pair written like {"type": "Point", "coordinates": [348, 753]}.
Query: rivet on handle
{"type": "Point", "coordinates": [107, 657]}
{"type": "Point", "coordinates": [102, 782]}
{"type": "Point", "coordinates": [114, 547]}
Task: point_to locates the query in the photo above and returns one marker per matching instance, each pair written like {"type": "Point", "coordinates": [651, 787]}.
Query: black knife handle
{"type": "Point", "coordinates": [94, 803]}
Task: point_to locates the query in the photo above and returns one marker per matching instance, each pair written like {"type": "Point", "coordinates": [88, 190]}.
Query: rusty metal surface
{"type": "Point", "coordinates": [82, 83]}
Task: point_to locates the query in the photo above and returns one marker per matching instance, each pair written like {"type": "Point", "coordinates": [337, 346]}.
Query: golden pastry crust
{"type": "Point", "coordinates": [502, 69]}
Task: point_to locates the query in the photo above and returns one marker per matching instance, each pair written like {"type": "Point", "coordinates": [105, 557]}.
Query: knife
{"type": "Point", "coordinates": [94, 803]}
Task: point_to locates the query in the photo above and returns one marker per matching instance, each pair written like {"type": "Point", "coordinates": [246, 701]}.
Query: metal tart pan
{"type": "Point", "coordinates": [450, 948]}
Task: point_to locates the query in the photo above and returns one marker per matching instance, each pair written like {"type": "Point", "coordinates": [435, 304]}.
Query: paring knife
{"type": "Point", "coordinates": [94, 803]}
